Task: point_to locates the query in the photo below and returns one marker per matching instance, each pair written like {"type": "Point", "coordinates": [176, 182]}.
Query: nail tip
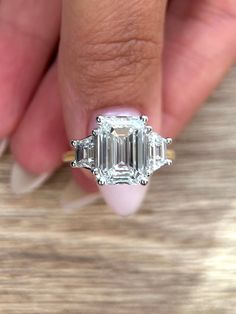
{"type": "Point", "coordinates": [24, 182]}
{"type": "Point", "coordinates": [123, 209]}
{"type": "Point", "coordinates": [125, 213]}
{"type": "Point", "coordinates": [124, 200]}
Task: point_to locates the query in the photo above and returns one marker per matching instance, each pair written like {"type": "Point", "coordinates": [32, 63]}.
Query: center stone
{"type": "Point", "coordinates": [126, 150]}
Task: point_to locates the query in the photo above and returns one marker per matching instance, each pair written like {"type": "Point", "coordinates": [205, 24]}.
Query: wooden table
{"type": "Point", "coordinates": [177, 255]}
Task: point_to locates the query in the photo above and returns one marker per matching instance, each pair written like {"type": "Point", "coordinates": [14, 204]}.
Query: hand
{"type": "Point", "coordinates": [153, 57]}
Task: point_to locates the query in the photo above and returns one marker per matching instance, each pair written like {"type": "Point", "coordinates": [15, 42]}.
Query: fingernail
{"type": "Point", "coordinates": [123, 199]}
{"type": "Point", "coordinates": [3, 146]}
{"type": "Point", "coordinates": [23, 182]}
{"type": "Point", "coordinates": [74, 197]}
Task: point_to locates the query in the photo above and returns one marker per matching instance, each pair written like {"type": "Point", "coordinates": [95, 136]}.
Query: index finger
{"type": "Point", "coordinates": [110, 61]}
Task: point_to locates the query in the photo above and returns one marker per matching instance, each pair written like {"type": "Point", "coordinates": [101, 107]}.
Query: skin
{"type": "Point", "coordinates": [161, 58]}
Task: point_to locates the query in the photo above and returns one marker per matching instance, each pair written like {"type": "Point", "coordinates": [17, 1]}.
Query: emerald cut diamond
{"type": "Point", "coordinates": [122, 150]}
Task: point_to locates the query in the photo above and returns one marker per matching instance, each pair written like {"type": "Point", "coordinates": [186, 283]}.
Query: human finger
{"type": "Point", "coordinates": [110, 62]}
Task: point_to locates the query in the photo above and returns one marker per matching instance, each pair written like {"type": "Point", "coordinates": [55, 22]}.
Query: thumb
{"type": "Point", "coordinates": [110, 63]}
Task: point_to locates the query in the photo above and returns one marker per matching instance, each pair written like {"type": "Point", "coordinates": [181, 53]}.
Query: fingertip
{"type": "Point", "coordinates": [124, 200]}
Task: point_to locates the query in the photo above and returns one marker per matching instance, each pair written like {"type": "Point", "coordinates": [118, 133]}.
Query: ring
{"type": "Point", "coordinates": [121, 150]}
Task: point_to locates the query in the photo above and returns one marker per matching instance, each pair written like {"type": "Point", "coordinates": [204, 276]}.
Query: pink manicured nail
{"type": "Point", "coordinates": [123, 199]}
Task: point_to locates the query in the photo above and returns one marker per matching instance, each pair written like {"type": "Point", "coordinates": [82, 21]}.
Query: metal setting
{"type": "Point", "coordinates": [121, 150]}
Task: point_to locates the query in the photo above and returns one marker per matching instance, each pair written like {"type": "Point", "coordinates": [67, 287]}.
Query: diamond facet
{"type": "Point", "coordinates": [85, 153]}
{"type": "Point", "coordinates": [122, 150]}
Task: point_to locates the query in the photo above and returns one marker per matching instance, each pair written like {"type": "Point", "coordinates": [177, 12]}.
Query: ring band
{"type": "Point", "coordinates": [121, 150]}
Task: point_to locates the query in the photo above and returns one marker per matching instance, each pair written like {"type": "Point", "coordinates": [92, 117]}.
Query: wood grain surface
{"type": "Point", "coordinates": [177, 255]}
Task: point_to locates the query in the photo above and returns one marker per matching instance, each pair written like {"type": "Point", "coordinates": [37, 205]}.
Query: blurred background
{"type": "Point", "coordinates": [176, 255]}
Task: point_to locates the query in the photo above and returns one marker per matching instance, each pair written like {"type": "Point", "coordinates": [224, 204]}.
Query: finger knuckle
{"type": "Point", "coordinates": [117, 63]}
{"type": "Point", "coordinates": [121, 48]}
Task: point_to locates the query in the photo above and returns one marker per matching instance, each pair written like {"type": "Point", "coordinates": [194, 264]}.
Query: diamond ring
{"type": "Point", "coordinates": [121, 150]}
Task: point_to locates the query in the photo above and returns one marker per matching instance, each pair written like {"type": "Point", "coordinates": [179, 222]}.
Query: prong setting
{"type": "Point", "coordinates": [94, 132]}
{"type": "Point", "coordinates": [144, 181]}
{"type": "Point", "coordinates": [74, 143]}
{"type": "Point", "coordinates": [169, 140]}
{"type": "Point", "coordinates": [74, 164]}
{"type": "Point", "coordinates": [121, 150]}
{"type": "Point", "coordinates": [95, 171]}
{"type": "Point", "coordinates": [99, 119]}
{"type": "Point", "coordinates": [169, 162]}
{"type": "Point", "coordinates": [101, 181]}
{"type": "Point", "coordinates": [144, 118]}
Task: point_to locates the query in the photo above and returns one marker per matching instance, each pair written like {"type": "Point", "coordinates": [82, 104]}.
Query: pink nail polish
{"type": "Point", "coordinates": [124, 199]}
